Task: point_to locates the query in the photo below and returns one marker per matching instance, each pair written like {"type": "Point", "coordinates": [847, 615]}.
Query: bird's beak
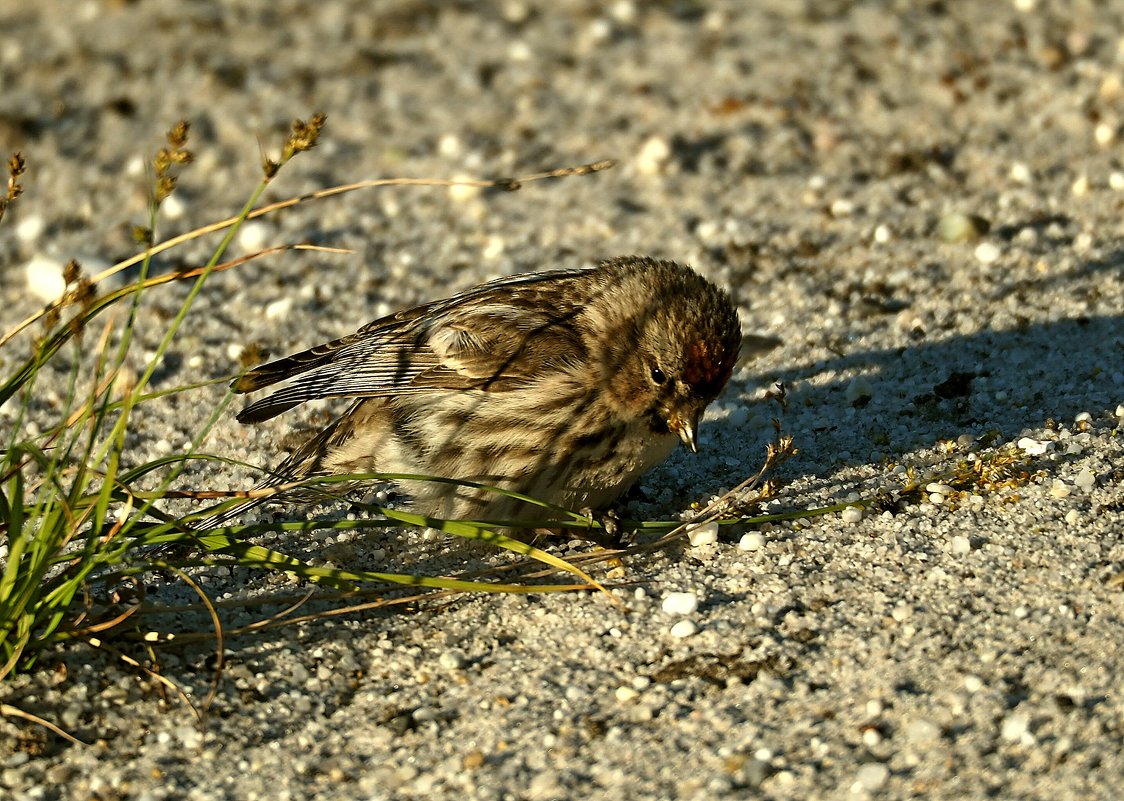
{"type": "Point", "coordinates": [685, 428]}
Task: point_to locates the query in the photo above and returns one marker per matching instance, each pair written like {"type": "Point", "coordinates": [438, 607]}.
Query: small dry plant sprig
{"type": "Point", "coordinates": [72, 518]}
{"type": "Point", "coordinates": [16, 168]}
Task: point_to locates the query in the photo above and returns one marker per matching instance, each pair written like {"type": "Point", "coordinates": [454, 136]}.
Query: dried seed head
{"type": "Point", "coordinates": [173, 155]}
{"type": "Point", "coordinates": [71, 272]}
{"type": "Point", "coordinates": [16, 167]}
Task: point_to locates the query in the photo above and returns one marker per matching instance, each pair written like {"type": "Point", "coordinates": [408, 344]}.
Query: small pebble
{"type": "Point", "coordinates": [901, 613]}
{"type": "Point", "coordinates": [852, 514]}
{"type": "Point", "coordinates": [253, 236]}
{"type": "Point", "coordinates": [752, 541]}
{"type": "Point", "coordinates": [859, 389]}
{"type": "Point", "coordinates": [625, 694]}
{"type": "Point", "coordinates": [1104, 133]}
{"type": "Point", "coordinates": [684, 629]}
{"type": "Point", "coordinates": [680, 603]}
{"type": "Point", "coordinates": [30, 228]}
{"type": "Point", "coordinates": [871, 776]}
{"type": "Point", "coordinates": [1072, 517]}
{"type": "Point", "coordinates": [871, 737]}
{"type": "Point", "coordinates": [1020, 173]}
{"type": "Point", "coordinates": [452, 659]}
{"type": "Point", "coordinates": [1059, 489]}
{"type": "Point", "coordinates": [1033, 447]}
{"type": "Point", "coordinates": [1085, 480]}
{"type": "Point", "coordinates": [961, 545]}
{"type": "Point", "coordinates": [958, 227]}
{"type": "Point", "coordinates": [987, 253]}
{"type": "Point", "coordinates": [279, 309]}
{"type": "Point", "coordinates": [972, 683]}
{"type": "Point", "coordinates": [462, 193]}
{"type": "Point", "coordinates": [1080, 186]}
{"type": "Point", "coordinates": [1116, 180]}
{"type": "Point", "coordinates": [173, 207]}
{"type": "Point", "coordinates": [44, 278]}
{"type": "Point", "coordinates": [1016, 729]}
{"type": "Point", "coordinates": [922, 732]}
{"type": "Point", "coordinates": [702, 534]}
{"type": "Point", "coordinates": [652, 156]}
{"type": "Point", "coordinates": [883, 234]}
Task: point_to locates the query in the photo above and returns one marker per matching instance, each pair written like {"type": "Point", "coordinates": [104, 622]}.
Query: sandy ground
{"type": "Point", "coordinates": [803, 154]}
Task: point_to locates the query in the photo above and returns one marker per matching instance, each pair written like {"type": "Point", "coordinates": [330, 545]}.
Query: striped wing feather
{"type": "Point", "coordinates": [496, 337]}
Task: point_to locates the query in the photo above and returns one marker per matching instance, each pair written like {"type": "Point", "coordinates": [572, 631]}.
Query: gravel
{"type": "Point", "coordinates": [950, 643]}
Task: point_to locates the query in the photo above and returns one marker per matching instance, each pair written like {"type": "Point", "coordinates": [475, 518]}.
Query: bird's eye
{"type": "Point", "coordinates": [658, 376]}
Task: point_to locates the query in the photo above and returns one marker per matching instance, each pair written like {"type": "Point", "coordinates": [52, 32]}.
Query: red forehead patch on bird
{"type": "Point", "coordinates": [708, 368]}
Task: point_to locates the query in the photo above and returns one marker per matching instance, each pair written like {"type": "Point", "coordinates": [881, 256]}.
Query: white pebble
{"type": "Point", "coordinates": [987, 253]}
{"type": "Point", "coordinates": [462, 193]}
{"type": "Point", "coordinates": [871, 737]}
{"type": "Point", "coordinates": [252, 236]}
{"type": "Point", "coordinates": [279, 309]}
{"type": "Point", "coordinates": [842, 208]}
{"type": "Point", "coordinates": [1085, 480]}
{"type": "Point", "coordinates": [625, 694]}
{"type": "Point", "coordinates": [653, 154]}
{"type": "Point", "coordinates": [901, 613]}
{"type": "Point", "coordinates": [1059, 489]}
{"type": "Point", "coordinates": [1016, 728]}
{"type": "Point", "coordinates": [883, 234]}
{"type": "Point", "coordinates": [173, 207]}
{"type": "Point", "coordinates": [234, 351]}
{"type": "Point", "coordinates": [973, 683]}
{"type": "Point", "coordinates": [452, 659]}
{"type": "Point", "coordinates": [852, 514]}
{"type": "Point", "coordinates": [922, 732]}
{"type": "Point", "coordinates": [1080, 185]}
{"type": "Point", "coordinates": [1072, 517]}
{"type": "Point", "coordinates": [1116, 180]}
{"type": "Point", "coordinates": [680, 603]}
{"type": "Point", "coordinates": [449, 146]}
{"type": "Point", "coordinates": [44, 278]}
{"type": "Point", "coordinates": [1104, 133]}
{"type": "Point", "coordinates": [1120, 411]}
{"type": "Point", "coordinates": [684, 629]}
{"type": "Point", "coordinates": [961, 545]}
{"type": "Point", "coordinates": [858, 389]}
{"type": "Point", "coordinates": [702, 534]}
{"type": "Point", "coordinates": [871, 776]}
{"type": "Point", "coordinates": [1033, 447]}
{"type": "Point", "coordinates": [1020, 173]}
{"type": "Point", "coordinates": [493, 248]}
{"type": "Point", "coordinates": [30, 228]}
{"type": "Point", "coordinates": [752, 541]}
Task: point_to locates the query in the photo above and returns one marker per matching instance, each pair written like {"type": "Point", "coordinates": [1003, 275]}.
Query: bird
{"type": "Point", "coordinates": [562, 385]}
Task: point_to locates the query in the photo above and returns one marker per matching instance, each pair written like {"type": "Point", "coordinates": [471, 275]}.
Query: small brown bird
{"type": "Point", "coordinates": [565, 386]}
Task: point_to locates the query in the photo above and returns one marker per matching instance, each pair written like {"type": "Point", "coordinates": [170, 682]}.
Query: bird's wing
{"type": "Point", "coordinates": [495, 337]}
